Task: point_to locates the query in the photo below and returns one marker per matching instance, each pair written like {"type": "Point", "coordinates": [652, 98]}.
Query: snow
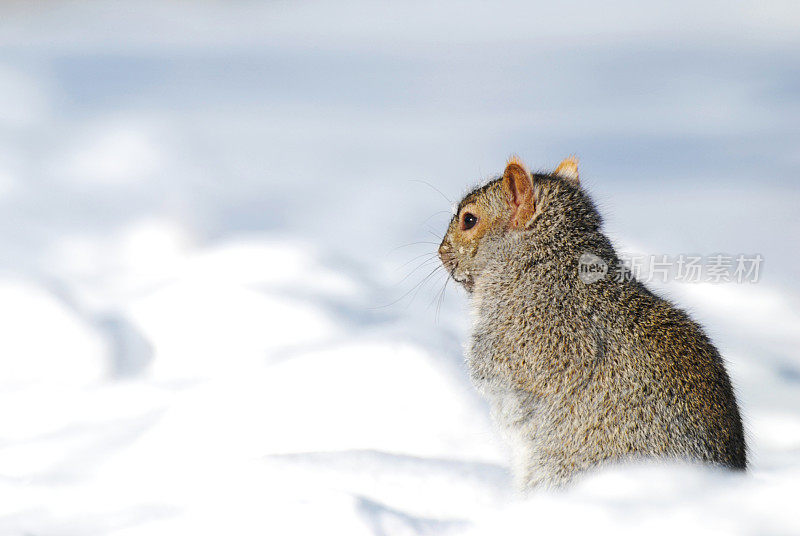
{"type": "Point", "coordinates": [36, 329]}
{"type": "Point", "coordinates": [217, 226]}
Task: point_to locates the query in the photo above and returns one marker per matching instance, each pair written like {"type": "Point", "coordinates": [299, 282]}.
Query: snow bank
{"type": "Point", "coordinates": [262, 410]}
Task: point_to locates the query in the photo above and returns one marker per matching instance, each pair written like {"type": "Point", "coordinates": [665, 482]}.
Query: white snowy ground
{"type": "Point", "coordinates": [208, 212]}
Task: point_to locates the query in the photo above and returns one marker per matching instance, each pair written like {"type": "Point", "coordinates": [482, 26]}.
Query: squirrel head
{"type": "Point", "coordinates": [493, 212]}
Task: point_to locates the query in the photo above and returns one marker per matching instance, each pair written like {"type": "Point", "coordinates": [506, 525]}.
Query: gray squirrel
{"type": "Point", "coordinates": [579, 372]}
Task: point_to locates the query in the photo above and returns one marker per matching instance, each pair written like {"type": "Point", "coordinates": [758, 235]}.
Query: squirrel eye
{"type": "Point", "coordinates": [469, 221]}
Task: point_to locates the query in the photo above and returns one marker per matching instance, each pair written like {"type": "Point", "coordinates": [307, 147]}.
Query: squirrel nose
{"type": "Point", "coordinates": [443, 249]}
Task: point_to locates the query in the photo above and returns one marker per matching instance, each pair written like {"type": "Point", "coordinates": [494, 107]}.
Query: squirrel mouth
{"type": "Point", "coordinates": [468, 283]}
{"type": "Point", "coordinates": [451, 265]}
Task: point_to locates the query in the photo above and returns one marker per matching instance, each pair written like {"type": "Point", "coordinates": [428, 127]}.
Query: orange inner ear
{"type": "Point", "coordinates": [519, 194]}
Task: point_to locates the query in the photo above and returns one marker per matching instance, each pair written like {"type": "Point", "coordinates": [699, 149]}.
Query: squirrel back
{"type": "Point", "coordinates": [580, 371]}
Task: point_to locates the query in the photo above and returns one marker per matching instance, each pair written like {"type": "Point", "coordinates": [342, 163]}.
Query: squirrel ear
{"type": "Point", "coordinates": [519, 192]}
{"type": "Point", "coordinates": [568, 169]}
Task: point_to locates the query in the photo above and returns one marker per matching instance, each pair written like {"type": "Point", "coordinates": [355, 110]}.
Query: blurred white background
{"type": "Point", "coordinates": [209, 212]}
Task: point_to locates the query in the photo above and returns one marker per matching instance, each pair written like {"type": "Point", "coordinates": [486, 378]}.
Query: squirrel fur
{"type": "Point", "coordinates": [579, 374]}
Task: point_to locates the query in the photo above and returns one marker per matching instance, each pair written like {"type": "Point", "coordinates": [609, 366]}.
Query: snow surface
{"type": "Point", "coordinates": [212, 218]}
